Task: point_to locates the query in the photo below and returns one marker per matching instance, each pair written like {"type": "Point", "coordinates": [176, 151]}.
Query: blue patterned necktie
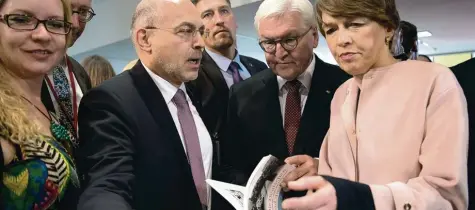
{"type": "Point", "coordinates": [62, 89]}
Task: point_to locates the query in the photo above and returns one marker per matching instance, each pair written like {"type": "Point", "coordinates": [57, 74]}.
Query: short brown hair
{"type": "Point", "coordinates": [383, 12]}
{"type": "Point", "coordinates": [196, 2]}
{"type": "Point", "coordinates": [98, 69]}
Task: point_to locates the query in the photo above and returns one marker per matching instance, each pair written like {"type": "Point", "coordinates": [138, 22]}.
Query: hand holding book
{"type": "Point", "coordinates": [305, 166]}
{"type": "Point", "coordinates": [263, 190]}
{"type": "Point", "coordinates": [321, 194]}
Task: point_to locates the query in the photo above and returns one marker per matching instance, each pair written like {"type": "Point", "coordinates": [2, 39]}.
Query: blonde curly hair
{"type": "Point", "coordinates": [15, 124]}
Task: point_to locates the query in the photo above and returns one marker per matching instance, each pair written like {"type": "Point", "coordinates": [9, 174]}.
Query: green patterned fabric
{"type": "Point", "coordinates": [40, 175]}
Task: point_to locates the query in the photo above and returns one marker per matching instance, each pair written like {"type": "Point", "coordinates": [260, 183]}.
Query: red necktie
{"type": "Point", "coordinates": [292, 113]}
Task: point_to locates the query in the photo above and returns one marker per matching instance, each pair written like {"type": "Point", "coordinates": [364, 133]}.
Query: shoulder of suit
{"type": "Point", "coordinates": [253, 60]}
{"type": "Point", "coordinates": [76, 65]}
{"type": "Point", "coordinates": [256, 79]}
{"type": "Point", "coordinates": [119, 84]}
{"type": "Point", "coordinates": [464, 68]}
{"type": "Point", "coordinates": [333, 73]}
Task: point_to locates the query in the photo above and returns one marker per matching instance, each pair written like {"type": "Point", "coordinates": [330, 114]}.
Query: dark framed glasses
{"type": "Point", "coordinates": [289, 43]}
{"type": "Point", "coordinates": [30, 23]}
{"type": "Point", "coordinates": [85, 14]}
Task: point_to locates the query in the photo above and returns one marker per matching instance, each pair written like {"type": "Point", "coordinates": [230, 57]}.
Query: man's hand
{"type": "Point", "coordinates": [306, 166]}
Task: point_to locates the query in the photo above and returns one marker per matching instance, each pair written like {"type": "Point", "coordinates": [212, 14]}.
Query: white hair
{"type": "Point", "coordinates": [273, 8]}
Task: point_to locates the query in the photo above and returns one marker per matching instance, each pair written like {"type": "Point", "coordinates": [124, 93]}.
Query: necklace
{"type": "Point", "coordinates": [59, 132]}
{"type": "Point", "coordinates": [37, 108]}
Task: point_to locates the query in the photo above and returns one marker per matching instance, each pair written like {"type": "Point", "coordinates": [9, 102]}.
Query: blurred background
{"type": "Point", "coordinates": [446, 31]}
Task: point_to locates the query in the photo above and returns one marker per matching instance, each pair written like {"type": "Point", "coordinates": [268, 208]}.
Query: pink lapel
{"type": "Point", "coordinates": [348, 114]}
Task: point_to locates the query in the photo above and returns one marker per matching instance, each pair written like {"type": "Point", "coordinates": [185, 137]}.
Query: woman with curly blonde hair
{"type": "Point", "coordinates": [38, 171]}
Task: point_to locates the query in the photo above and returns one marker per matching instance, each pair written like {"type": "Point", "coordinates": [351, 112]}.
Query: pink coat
{"type": "Point", "coordinates": [408, 140]}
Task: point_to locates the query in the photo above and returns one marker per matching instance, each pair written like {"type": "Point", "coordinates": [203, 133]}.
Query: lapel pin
{"type": "Point", "coordinates": [328, 92]}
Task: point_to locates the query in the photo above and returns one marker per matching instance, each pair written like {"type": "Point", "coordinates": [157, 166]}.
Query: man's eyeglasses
{"type": "Point", "coordinates": [184, 33]}
{"type": "Point", "coordinates": [289, 43]}
{"type": "Point", "coordinates": [30, 23]}
{"type": "Point", "coordinates": [84, 14]}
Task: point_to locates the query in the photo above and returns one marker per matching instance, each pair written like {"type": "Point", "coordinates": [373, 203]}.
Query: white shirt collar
{"type": "Point", "coordinates": [166, 88]}
{"type": "Point", "coordinates": [305, 78]}
{"type": "Point", "coordinates": [223, 62]}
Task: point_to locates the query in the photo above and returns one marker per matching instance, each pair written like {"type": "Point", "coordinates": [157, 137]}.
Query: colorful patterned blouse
{"type": "Point", "coordinates": [40, 174]}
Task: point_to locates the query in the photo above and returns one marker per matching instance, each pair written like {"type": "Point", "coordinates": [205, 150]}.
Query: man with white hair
{"type": "Point", "coordinates": [146, 146]}
{"type": "Point", "coordinates": [284, 110]}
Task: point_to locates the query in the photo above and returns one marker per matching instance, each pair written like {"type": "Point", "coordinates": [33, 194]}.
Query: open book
{"type": "Point", "coordinates": [262, 191]}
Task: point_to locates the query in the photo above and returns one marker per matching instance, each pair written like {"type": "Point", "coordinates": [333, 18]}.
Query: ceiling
{"type": "Point", "coordinates": [450, 21]}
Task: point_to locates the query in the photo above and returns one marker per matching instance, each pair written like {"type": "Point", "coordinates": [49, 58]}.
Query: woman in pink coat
{"type": "Point", "coordinates": [398, 133]}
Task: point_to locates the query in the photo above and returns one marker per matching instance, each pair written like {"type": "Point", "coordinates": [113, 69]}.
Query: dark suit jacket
{"type": "Point", "coordinates": [255, 126]}
{"type": "Point", "coordinates": [131, 151]}
{"type": "Point", "coordinates": [211, 91]}
{"type": "Point", "coordinates": [81, 76]}
{"type": "Point", "coordinates": [465, 73]}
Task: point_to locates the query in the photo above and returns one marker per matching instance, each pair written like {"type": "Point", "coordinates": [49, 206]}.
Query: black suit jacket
{"type": "Point", "coordinates": [465, 73]}
{"type": "Point", "coordinates": [81, 76]}
{"type": "Point", "coordinates": [211, 91]}
{"type": "Point", "coordinates": [131, 151]}
{"type": "Point", "coordinates": [255, 126]}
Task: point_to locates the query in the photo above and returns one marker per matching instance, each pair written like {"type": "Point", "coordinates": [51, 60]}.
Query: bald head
{"type": "Point", "coordinates": [166, 39]}
{"type": "Point", "coordinates": [145, 14]}
{"type": "Point", "coordinates": [153, 12]}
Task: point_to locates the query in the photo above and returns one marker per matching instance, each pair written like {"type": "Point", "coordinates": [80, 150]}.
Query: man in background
{"type": "Point", "coordinates": [285, 110]}
{"type": "Point", "coordinates": [222, 66]}
{"type": "Point", "coordinates": [65, 85]}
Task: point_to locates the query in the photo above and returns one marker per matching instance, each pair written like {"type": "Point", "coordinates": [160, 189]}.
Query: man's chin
{"type": "Point", "coordinates": [223, 44]}
{"type": "Point", "coordinates": [74, 38]}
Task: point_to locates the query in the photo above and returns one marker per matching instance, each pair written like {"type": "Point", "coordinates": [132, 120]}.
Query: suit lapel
{"type": "Point", "coordinates": [248, 64]}
{"type": "Point", "coordinates": [317, 108]}
{"type": "Point", "coordinates": [77, 74]}
{"type": "Point", "coordinates": [274, 117]}
{"type": "Point", "coordinates": [211, 69]}
{"type": "Point", "coordinates": [158, 108]}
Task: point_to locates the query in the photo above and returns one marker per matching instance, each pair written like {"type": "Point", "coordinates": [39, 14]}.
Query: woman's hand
{"type": "Point", "coordinates": [321, 194]}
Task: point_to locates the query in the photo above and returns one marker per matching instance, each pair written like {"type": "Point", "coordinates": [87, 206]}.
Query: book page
{"type": "Point", "coordinates": [234, 194]}
{"type": "Point", "coordinates": [274, 193]}
{"type": "Point", "coordinates": [260, 181]}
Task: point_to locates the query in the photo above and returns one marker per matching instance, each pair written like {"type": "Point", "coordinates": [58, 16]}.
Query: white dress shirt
{"type": "Point", "coordinates": [224, 63]}
{"type": "Point", "coordinates": [168, 91]}
{"type": "Point", "coordinates": [306, 79]}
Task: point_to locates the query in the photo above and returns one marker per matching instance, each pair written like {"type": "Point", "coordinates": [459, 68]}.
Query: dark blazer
{"type": "Point", "coordinates": [211, 91]}
{"type": "Point", "coordinates": [255, 126]}
{"type": "Point", "coordinates": [131, 152]}
{"type": "Point", "coordinates": [81, 76]}
{"type": "Point", "coordinates": [465, 73]}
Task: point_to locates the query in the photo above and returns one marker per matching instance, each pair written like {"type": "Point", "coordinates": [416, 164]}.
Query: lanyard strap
{"type": "Point", "coordinates": [74, 100]}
